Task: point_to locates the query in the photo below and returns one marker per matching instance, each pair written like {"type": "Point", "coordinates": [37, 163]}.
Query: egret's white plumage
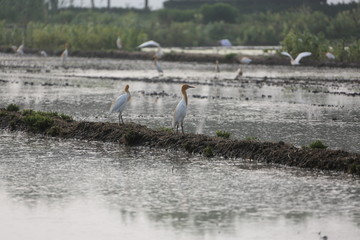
{"type": "Point", "coordinates": [158, 66]}
{"type": "Point", "coordinates": [120, 102]}
{"type": "Point", "coordinates": [180, 110]}
{"type": "Point", "coordinates": [43, 53]}
{"type": "Point", "coordinates": [239, 74]}
{"type": "Point", "coordinates": [296, 61]}
{"type": "Point", "coordinates": [118, 43]}
{"type": "Point", "coordinates": [64, 54]}
{"type": "Point", "coordinates": [330, 56]}
{"type": "Point", "coordinates": [20, 50]}
{"type": "Point", "coordinates": [150, 43]}
{"type": "Point", "coordinates": [245, 60]}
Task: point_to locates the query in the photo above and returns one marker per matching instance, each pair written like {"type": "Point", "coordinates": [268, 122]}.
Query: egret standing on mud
{"type": "Point", "coordinates": [180, 110]}
{"type": "Point", "coordinates": [119, 104]}
{"type": "Point", "coordinates": [298, 58]}
{"type": "Point", "coordinates": [158, 66]}
{"type": "Point", "coordinates": [64, 54]}
{"type": "Point", "coordinates": [20, 50]}
{"type": "Point", "coordinates": [118, 43]}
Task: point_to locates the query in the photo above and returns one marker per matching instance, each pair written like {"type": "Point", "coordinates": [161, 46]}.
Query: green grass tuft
{"type": "Point", "coordinates": [251, 139]}
{"type": "Point", "coordinates": [208, 152]}
{"type": "Point", "coordinates": [12, 108]}
{"type": "Point", "coordinates": [223, 134]}
{"type": "Point", "coordinates": [165, 129]}
{"type": "Point", "coordinates": [38, 121]}
{"type": "Point", "coordinates": [317, 144]}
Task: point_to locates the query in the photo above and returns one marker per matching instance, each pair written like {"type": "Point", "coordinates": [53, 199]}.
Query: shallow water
{"type": "Point", "coordinates": [294, 104]}
{"type": "Point", "coordinates": [57, 189]}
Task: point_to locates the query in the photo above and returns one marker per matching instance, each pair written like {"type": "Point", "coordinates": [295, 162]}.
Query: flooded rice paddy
{"type": "Point", "coordinates": [51, 188]}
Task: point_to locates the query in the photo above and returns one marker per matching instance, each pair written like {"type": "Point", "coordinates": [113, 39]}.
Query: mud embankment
{"type": "Point", "coordinates": [189, 57]}
{"type": "Point", "coordinates": [133, 134]}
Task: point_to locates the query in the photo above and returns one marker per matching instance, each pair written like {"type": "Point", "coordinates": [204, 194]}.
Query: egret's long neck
{"type": "Point", "coordinates": [185, 96]}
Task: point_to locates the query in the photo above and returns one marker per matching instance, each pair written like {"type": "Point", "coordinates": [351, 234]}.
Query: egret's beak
{"type": "Point", "coordinates": [191, 87]}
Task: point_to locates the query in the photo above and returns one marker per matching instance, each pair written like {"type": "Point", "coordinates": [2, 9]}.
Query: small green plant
{"type": "Point", "coordinates": [230, 56]}
{"type": "Point", "coordinates": [208, 152]}
{"type": "Point", "coordinates": [165, 129]}
{"type": "Point", "coordinates": [54, 131]}
{"type": "Point", "coordinates": [317, 144]}
{"type": "Point", "coordinates": [65, 117]}
{"type": "Point", "coordinates": [12, 108]}
{"type": "Point", "coordinates": [251, 139]}
{"type": "Point", "coordinates": [223, 134]}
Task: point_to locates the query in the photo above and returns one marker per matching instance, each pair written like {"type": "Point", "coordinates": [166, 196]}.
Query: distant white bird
{"type": "Point", "coordinates": [120, 103]}
{"type": "Point", "coordinates": [180, 110]}
{"type": "Point", "coordinates": [152, 43]}
{"type": "Point", "coordinates": [20, 50]}
{"type": "Point", "coordinates": [217, 69]}
{"type": "Point", "coordinates": [65, 54]}
{"type": "Point", "coordinates": [118, 43]}
{"type": "Point", "coordinates": [43, 53]}
{"type": "Point", "coordinates": [239, 74]}
{"type": "Point", "coordinates": [158, 66]}
{"type": "Point", "coordinates": [225, 43]}
{"type": "Point", "coordinates": [245, 60]}
{"type": "Point", "coordinates": [298, 58]}
{"type": "Point", "coordinates": [330, 56]}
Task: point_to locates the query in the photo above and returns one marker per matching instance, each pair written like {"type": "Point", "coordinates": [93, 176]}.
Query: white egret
{"type": "Point", "coordinates": [180, 110]}
{"type": "Point", "coordinates": [298, 58]}
{"type": "Point", "coordinates": [118, 43]}
{"type": "Point", "coordinates": [65, 54]}
{"type": "Point", "coordinates": [239, 74]}
{"type": "Point", "coordinates": [217, 69]}
{"type": "Point", "coordinates": [158, 66]}
{"type": "Point", "coordinates": [43, 53]}
{"type": "Point", "coordinates": [152, 43]}
{"type": "Point", "coordinates": [119, 103]}
{"type": "Point", "coordinates": [245, 60]}
{"type": "Point", "coordinates": [20, 50]}
{"type": "Point", "coordinates": [330, 56]}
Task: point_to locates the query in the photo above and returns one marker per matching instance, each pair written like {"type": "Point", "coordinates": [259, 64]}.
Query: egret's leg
{"type": "Point", "coordinates": [119, 118]}
{"type": "Point", "coordinates": [122, 121]}
{"type": "Point", "coordinates": [182, 127]}
{"type": "Point", "coordinates": [177, 128]}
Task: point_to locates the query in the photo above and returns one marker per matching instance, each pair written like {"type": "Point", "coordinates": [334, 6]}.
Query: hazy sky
{"type": "Point", "coordinates": [154, 4]}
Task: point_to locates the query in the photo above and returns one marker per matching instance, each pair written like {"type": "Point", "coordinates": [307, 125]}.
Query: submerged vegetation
{"type": "Point", "coordinates": [335, 29]}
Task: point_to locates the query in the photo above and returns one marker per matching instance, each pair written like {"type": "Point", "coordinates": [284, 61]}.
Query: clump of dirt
{"type": "Point", "coordinates": [138, 135]}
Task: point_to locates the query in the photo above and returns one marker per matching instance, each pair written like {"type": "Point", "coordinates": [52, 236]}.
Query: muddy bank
{"type": "Point", "coordinates": [62, 126]}
{"type": "Point", "coordinates": [189, 57]}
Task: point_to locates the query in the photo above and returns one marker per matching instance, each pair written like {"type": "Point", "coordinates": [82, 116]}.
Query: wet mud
{"type": "Point", "coordinates": [189, 57]}
{"type": "Point", "coordinates": [132, 134]}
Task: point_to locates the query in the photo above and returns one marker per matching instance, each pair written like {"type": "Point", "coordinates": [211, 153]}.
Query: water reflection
{"type": "Point", "coordinates": [68, 186]}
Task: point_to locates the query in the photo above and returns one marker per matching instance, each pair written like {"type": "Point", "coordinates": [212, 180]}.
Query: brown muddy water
{"type": "Point", "coordinates": [57, 189]}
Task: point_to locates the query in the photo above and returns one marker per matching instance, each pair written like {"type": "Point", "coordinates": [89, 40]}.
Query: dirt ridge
{"type": "Point", "coordinates": [132, 134]}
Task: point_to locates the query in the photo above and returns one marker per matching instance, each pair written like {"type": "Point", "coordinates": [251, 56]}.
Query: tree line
{"type": "Point", "coordinates": [86, 29]}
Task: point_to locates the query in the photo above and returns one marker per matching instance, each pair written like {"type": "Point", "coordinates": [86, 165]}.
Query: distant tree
{"type": "Point", "coordinates": [219, 12]}
{"type": "Point", "coordinates": [92, 4]}
{"type": "Point", "coordinates": [22, 11]}
{"type": "Point", "coordinates": [109, 4]}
